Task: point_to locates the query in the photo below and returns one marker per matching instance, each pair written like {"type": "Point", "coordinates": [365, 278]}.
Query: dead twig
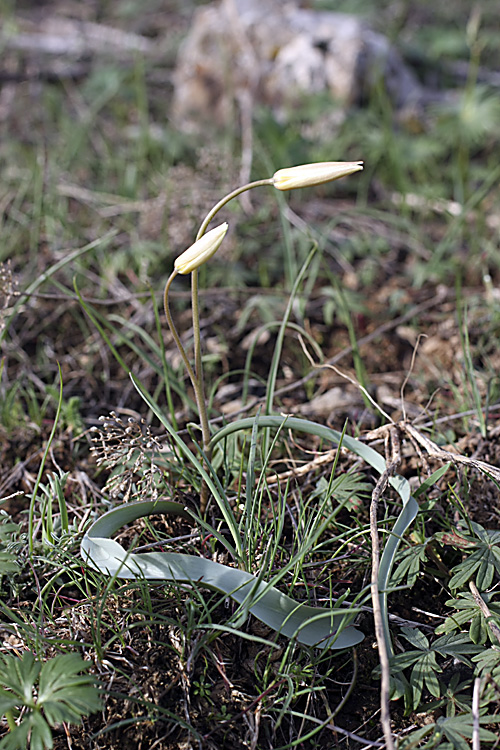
{"type": "Point", "coordinates": [485, 610]}
{"type": "Point", "coordinates": [393, 460]}
{"type": "Point", "coordinates": [434, 451]}
{"type": "Point", "coordinates": [476, 744]}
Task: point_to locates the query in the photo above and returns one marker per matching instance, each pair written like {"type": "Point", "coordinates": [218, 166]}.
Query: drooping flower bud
{"type": "Point", "coordinates": [314, 174]}
{"type": "Point", "coordinates": [201, 251]}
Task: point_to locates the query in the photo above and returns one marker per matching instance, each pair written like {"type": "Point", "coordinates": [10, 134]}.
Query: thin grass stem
{"type": "Point", "coordinates": [31, 514]}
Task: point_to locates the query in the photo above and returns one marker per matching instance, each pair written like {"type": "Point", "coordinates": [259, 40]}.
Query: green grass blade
{"type": "Point", "coordinates": [212, 481]}
{"type": "Point", "coordinates": [273, 372]}
{"type": "Point", "coordinates": [31, 515]}
{"type": "Point", "coordinates": [43, 277]}
{"type": "Point", "coordinates": [374, 459]}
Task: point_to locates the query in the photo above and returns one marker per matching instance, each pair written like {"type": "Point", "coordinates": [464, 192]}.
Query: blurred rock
{"type": "Point", "coordinates": [277, 53]}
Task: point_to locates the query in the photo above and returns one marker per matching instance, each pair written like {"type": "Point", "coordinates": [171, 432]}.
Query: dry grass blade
{"type": "Point", "coordinates": [434, 451]}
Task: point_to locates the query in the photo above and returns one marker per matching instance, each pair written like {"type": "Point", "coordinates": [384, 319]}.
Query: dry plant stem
{"type": "Point", "coordinates": [476, 745]}
{"type": "Point", "coordinates": [434, 451]}
{"type": "Point", "coordinates": [485, 610]}
{"type": "Point", "coordinates": [385, 716]}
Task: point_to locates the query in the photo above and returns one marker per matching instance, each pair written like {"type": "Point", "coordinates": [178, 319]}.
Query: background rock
{"type": "Point", "coordinates": [240, 52]}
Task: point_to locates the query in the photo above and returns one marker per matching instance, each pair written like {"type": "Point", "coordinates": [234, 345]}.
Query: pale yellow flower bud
{"type": "Point", "coordinates": [201, 251]}
{"type": "Point", "coordinates": [314, 174]}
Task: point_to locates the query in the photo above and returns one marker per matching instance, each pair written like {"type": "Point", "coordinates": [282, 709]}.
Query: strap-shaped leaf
{"type": "Point", "coordinates": [376, 461]}
{"type": "Point", "coordinates": [312, 626]}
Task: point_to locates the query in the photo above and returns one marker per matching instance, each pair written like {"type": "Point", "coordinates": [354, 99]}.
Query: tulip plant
{"type": "Point", "coordinates": [312, 626]}
{"type": "Point", "coordinates": [320, 627]}
{"type": "Point", "coordinates": [206, 246]}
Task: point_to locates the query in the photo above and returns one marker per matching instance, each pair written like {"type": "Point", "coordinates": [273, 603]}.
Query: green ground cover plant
{"type": "Point", "coordinates": [289, 538]}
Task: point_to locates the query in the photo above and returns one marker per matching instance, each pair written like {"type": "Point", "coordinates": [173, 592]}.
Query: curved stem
{"type": "Point", "coordinates": [229, 197]}
{"type": "Point", "coordinates": [195, 307]}
{"type": "Point", "coordinates": [198, 363]}
{"type": "Point", "coordinates": [173, 329]}
{"type": "Point", "coordinates": [196, 375]}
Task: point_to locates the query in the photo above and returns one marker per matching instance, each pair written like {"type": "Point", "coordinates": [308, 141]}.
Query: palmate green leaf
{"type": "Point", "coordinates": [490, 537]}
{"type": "Point", "coordinates": [468, 611]}
{"type": "Point", "coordinates": [8, 701]}
{"type": "Point", "coordinates": [409, 565]}
{"type": "Point", "coordinates": [399, 687]}
{"type": "Point", "coordinates": [416, 638]}
{"type": "Point", "coordinates": [424, 671]}
{"type": "Point", "coordinates": [18, 738]}
{"type": "Point", "coordinates": [41, 735]}
{"type": "Point", "coordinates": [455, 737]}
{"type": "Point", "coordinates": [463, 572]}
{"type": "Point", "coordinates": [347, 490]}
{"type": "Point", "coordinates": [456, 645]}
{"type": "Point", "coordinates": [484, 577]}
{"type": "Point", "coordinates": [484, 561]}
{"type": "Point", "coordinates": [64, 693]}
{"type": "Point", "coordinates": [488, 660]}
{"type": "Point", "coordinates": [19, 676]}
{"type": "Point", "coordinates": [424, 661]}
{"type": "Point", "coordinates": [402, 661]}
{"type": "Point", "coordinates": [326, 628]}
{"type": "Point", "coordinates": [51, 693]}
{"type": "Point", "coordinates": [428, 668]}
{"type": "Point", "coordinates": [455, 729]}
{"type": "Point", "coordinates": [478, 631]}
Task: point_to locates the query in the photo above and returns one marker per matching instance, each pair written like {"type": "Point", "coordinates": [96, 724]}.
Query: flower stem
{"type": "Point", "coordinates": [173, 329]}
{"type": "Point", "coordinates": [196, 325]}
{"type": "Point", "coordinates": [229, 197]}
{"type": "Point", "coordinates": [196, 381]}
{"type": "Point", "coordinates": [196, 375]}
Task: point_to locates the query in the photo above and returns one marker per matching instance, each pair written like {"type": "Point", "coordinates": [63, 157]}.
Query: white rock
{"type": "Point", "coordinates": [279, 53]}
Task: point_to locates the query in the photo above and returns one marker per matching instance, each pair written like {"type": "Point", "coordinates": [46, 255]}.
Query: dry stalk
{"type": "Point", "coordinates": [485, 610]}
{"type": "Point", "coordinates": [393, 461]}
{"type": "Point", "coordinates": [476, 744]}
